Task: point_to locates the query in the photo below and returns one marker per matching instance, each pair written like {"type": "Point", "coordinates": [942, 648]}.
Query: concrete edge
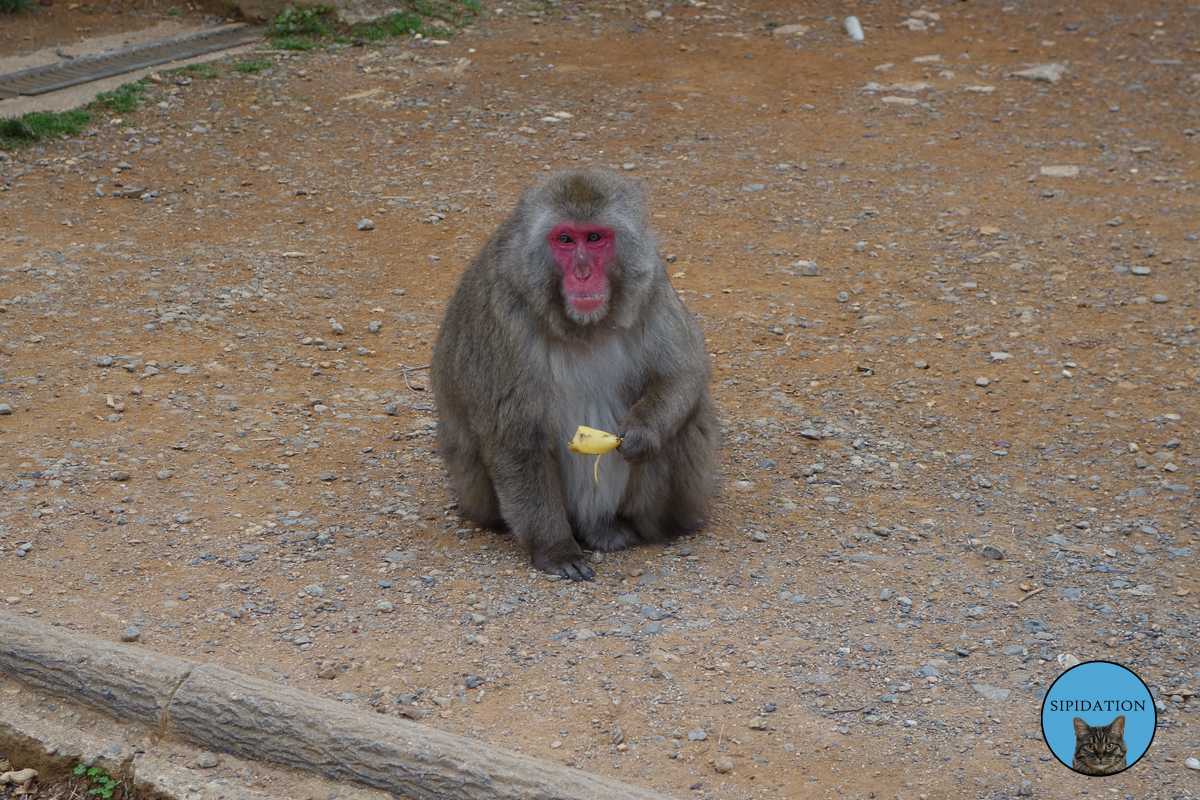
{"type": "Point", "coordinates": [225, 711]}
{"type": "Point", "coordinates": [80, 95]}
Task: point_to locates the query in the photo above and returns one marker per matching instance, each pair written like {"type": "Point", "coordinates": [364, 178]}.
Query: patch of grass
{"type": "Point", "coordinates": [205, 71]}
{"type": "Point", "coordinates": [123, 99]}
{"type": "Point", "coordinates": [173, 12]}
{"type": "Point", "coordinates": [292, 43]}
{"type": "Point", "coordinates": [293, 22]}
{"type": "Point", "coordinates": [252, 66]}
{"type": "Point", "coordinates": [303, 29]}
{"type": "Point", "coordinates": [37, 126]}
{"type": "Point", "coordinates": [401, 23]}
{"type": "Point", "coordinates": [14, 6]}
{"type": "Point", "coordinates": [102, 783]}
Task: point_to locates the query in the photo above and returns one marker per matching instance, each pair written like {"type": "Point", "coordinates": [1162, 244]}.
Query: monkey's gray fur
{"type": "Point", "coordinates": [515, 371]}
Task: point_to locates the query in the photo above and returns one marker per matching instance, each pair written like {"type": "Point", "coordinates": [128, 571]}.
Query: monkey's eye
{"type": "Point", "coordinates": [564, 239]}
{"type": "Point", "coordinates": [593, 237]}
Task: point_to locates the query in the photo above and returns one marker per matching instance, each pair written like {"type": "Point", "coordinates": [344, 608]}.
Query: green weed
{"type": "Point", "coordinates": [254, 65]}
{"type": "Point", "coordinates": [401, 23]}
{"type": "Point", "coordinates": [102, 783]}
{"type": "Point", "coordinates": [123, 99]}
{"type": "Point", "coordinates": [38, 126]}
{"type": "Point", "coordinates": [173, 12]}
{"type": "Point", "coordinates": [294, 22]}
{"type": "Point", "coordinates": [14, 6]}
{"type": "Point", "coordinates": [205, 71]}
{"type": "Point", "coordinates": [293, 43]}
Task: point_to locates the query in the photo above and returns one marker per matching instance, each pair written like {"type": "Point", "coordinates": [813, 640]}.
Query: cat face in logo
{"type": "Point", "coordinates": [1099, 749]}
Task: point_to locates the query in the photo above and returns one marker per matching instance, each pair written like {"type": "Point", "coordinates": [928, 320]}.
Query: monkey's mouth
{"type": "Point", "coordinates": [586, 303]}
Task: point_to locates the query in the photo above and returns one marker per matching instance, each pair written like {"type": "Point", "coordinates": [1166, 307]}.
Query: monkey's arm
{"type": "Point", "coordinates": [678, 370]}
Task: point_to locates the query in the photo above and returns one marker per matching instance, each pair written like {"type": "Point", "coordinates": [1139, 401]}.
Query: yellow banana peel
{"type": "Point", "coordinates": [591, 441]}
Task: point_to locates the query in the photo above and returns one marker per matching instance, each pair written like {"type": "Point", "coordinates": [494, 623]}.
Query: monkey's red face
{"type": "Point", "coordinates": [584, 253]}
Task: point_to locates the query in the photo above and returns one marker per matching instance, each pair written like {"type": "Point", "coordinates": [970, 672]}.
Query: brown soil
{"type": "Point", "coordinates": [192, 450]}
{"type": "Point", "coordinates": [64, 23]}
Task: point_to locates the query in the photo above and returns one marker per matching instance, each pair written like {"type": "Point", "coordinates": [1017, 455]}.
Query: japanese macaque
{"type": "Point", "coordinates": [566, 318]}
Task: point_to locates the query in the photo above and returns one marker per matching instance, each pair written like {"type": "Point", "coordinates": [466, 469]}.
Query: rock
{"type": "Point", "coordinates": [1192, 763]}
{"type": "Point", "coordinates": [130, 634]}
{"type": "Point", "coordinates": [991, 692]}
{"type": "Point", "coordinates": [1115, 221]}
{"type": "Point", "coordinates": [982, 381]}
{"type": "Point", "coordinates": [336, 327]}
{"type": "Point", "coordinates": [384, 607]}
{"type": "Point", "coordinates": [753, 187]}
{"type": "Point", "coordinates": [1060, 171]}
{"type": "Point", "coordinates": [119, 476]}
{"type": "Point", "coordinates": [992, 552]}
{"type": "Point", "coordinates": [1067, 660]}
{"type": "Point", "coordinates": [327, 673]}
{"type": "Point", "coordinates": [1046, 73]}
{"type": "Point", "coordinates": [1159, 298]}
{"type": "Point", "coordinates": [1025, 789]}
{"type": "Point", "coordinates": [654, 14]}
{"type": "Point", "coordinates": [790, 30]}
{"type": "Point", "coordinates": [206, 761]}
{"type": "Point", "coordinates": [5, 409]}
{"type": "Point", "coordinates": [886, 594]}
{"type": "Point", "coordinates": [366, 225]}
{"type": "Point", "coordinates": [854, 28]}
{"type": "Point", "coordinates": [698, 735]}
{"type": "Point", "coordinates": [723, 764]}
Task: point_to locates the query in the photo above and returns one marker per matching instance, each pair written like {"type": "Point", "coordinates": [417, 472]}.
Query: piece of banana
{"type": "Point", "coordinates": [591, 441]}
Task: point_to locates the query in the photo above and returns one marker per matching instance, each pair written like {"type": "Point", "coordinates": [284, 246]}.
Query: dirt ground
{"type": "Point", "coordinates": [997, 351]}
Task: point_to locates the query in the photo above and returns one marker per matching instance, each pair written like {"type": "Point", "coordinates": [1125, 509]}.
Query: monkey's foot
{"type": "Point", "coordinates": [616, 536]}
{"type": "Point", "coordinates": [567, 564]}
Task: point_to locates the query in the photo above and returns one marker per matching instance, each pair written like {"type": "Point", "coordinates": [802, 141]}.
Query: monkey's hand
{"type": "Point", "coordinates": [639, 443]}
{"type": "Point", "coordinates": [566, 560]}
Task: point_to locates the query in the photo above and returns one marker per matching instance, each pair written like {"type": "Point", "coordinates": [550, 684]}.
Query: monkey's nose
{"type": "Point", "coordinates": [583, 269]}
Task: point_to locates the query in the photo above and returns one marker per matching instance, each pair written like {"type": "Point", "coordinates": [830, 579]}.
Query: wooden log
{"type": "Point", "coordinates": [124, 682]}
{"type": "Point", "coordinates": [252, 718]}
{"type": "Point", "coordinates": [220, 709]}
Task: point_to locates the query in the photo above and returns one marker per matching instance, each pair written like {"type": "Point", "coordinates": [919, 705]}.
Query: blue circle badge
{"type": "Point", "coordinates": [1098, 718]}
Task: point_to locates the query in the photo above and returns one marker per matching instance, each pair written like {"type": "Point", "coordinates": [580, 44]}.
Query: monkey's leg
{"type": "Point", "coordinates": [476, 495]}
{"type": "Point", "coordinates": [529, 489]}
{"type": "Point", "coordinates": [668, 496]}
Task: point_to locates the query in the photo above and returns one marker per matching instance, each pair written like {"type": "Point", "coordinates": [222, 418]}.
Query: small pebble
{"type": "Point", "coordinates": [366, 225]}
{"type": "Point", "coordinates": [982, 381]}
{"type": "Point", "coordinates": [723, 764]}
{"type": "Point", "coordinates": [130, 634]}
{"type": "Point", "coordinates": [5, 409]}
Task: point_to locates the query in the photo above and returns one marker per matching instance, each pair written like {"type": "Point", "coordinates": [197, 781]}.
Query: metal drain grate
{"type": "Point", "coordinates": [51, 77]}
